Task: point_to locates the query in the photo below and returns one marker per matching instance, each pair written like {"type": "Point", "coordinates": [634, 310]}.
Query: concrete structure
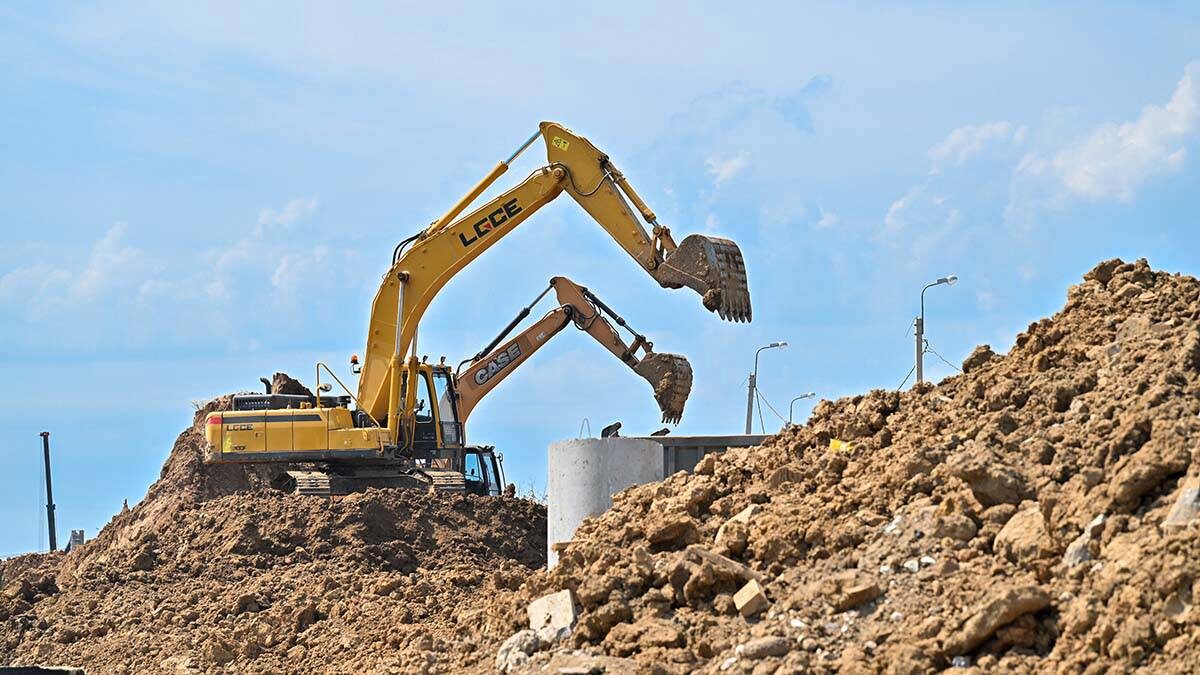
{"type": "Point", "coordinates": [584, 473]}
{"type": "Point", "coordinates": [683, 453]}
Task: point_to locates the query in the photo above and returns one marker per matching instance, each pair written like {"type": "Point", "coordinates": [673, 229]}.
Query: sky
{"type": "Point", "coordinates": [199, 195]}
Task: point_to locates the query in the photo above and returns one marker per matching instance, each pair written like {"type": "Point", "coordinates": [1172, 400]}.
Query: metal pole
{"type": "Point", "coordinates": [49, 490]}
{"type": "Point", "coordinates": [750, 399]}
{"type": "Point", "coordinates": [920, 349]}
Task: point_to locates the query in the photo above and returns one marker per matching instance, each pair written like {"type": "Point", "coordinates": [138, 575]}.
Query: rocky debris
{"type": "Point", "coordinates": [750, 599]}
{"type": "Point", "coordinates": [1000, 611]}
{"type": "Point", "coordinates": [556, 610]}
{"type": "Point", "coordinates": [1186, 508]}
{"type": "Point", "coordinates": [1019, 517]}
{"type": "Point", "coordinates": [979, 356]}
{"type": "Point", "coordinates": [215, 571]}
{"type": "Point", "coordinates": [1022, 536]}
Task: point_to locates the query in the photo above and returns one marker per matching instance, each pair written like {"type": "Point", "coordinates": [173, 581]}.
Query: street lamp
{"type": "Point", "coordinates": [754, 383]}
{"type": "Point", "coordinates": [807, 394]}
{"type": "Point", "coordinates": [949, 281]}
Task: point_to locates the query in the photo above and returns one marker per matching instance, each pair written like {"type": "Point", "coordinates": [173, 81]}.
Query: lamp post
{"type": "Point", "coordinates": [754, 383]}
{"type": "Point", "coordinates": [949, 281]}
{"type": "Point", "coordinates": [807, 394]}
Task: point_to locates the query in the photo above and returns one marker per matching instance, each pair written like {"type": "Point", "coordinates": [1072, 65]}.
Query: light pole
{"type": "Point", "coordinates": [754, 384]}
{"type": "Point", "coordinates": [807, 394]}
{"type": "Point", "coordinates": [949, 281]}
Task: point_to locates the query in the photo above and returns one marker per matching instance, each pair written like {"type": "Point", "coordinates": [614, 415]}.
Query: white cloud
{"type": "Point", "coordinates": [826, 221]}
{"type": "Point", "coordinates": [1115, 159]}
{"type": "Point", "coordinates": [291, 212]}
{"type": "Point", "coordinates": [965, 142]}
{"type": "Point", "coordinates": [894, 220]}
{"type": "Point", "coordinates": [722, 169]}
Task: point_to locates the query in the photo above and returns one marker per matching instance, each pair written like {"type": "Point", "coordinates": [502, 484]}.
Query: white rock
{"type": "Point", "coordinates": [912, 565]}
{"type": "Point", "coordinates": [896, 616]}
{"type": "Point", "coordinates": [555, 609]}
{"type": "Point", "coordinates": [926, 561]}
{"type": "Point", "coordinates": [728, 663]}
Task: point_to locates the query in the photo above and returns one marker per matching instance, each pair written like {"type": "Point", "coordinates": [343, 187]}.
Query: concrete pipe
{"type": "Point", "coordinates": [584, 475]}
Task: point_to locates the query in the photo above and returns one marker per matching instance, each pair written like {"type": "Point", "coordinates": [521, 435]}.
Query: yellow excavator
{"type": "Point", "coordinates": [395, 435]}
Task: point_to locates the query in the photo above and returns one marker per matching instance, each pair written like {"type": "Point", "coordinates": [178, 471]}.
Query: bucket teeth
{"type": "Point", "coordinates": [671, 377]}
{"type": "Point", "coordinates": [714, 268]}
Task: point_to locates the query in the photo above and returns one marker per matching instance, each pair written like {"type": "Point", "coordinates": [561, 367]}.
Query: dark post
{"type": "Point", "coordinates": [49, 489]}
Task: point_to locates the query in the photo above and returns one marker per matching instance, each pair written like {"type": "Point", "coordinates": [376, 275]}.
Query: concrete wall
{"type": "Point", "coordinates": [584, 475]}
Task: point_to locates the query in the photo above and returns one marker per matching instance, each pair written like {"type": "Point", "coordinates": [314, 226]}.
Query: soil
{"type": "Point", "coordinates": [215, 571]}
{"type": "Point", "coordinates": [1039, 512]}
{"type": "Point", "coordinates": [1036, 513]}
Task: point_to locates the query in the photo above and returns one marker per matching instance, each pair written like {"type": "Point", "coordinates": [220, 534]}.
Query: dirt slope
{"type": "Point", "coordinates": [1008, 519]}
{"type": "Point", "coordinates": [214, 571]}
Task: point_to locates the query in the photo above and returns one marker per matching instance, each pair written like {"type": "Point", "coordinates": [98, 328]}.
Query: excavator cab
{"type": "Point", "coordinates": [483, 471]}
{"type": "Point", "coordinates": [436, 424]}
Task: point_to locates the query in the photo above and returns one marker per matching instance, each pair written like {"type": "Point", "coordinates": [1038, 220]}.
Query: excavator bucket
{"type": "Point", "coordinates": [671, 377]}
{"type": "Point", "coordinates": [713, 267]}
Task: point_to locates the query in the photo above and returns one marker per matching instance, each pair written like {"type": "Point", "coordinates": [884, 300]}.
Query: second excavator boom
{"type": "Point", "coordinates": [670, 375]}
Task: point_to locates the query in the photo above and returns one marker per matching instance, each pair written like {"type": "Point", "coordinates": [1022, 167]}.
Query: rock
{"type": "Point", "coordinates": [913, 565]}
{"type": "Point", "coordinates": [516, 650]}
{"type": "Point", "coordinates": [723, 568]}
{"type": "Point", "coordinates": [1003, 609]}
{"type": "Point", "coordinates": [1145, 470]}
{"type": "Point", "coordinates": [673, 531]}
{"type": "Point", "coordinates": [761, 648]}
{"type": "Point", "coordinates": [556, 610]}
{"type": "Point", "coordinates": [216, 653]}
{"type": "Point", "coordinates": [1023, 536]}
{"type": "Point", "coordinates": [1187, 505]}
{"type": "Point", "coordinates": [732, 538]}
{"type": "Point", "coordinates": [750, 599]}
{"type": "Point", "coordinates": [990, 479]}
{"type": "Point", "coordinates": [733, 533]}
{"type": "Point", "coordinates": [1104, 271]}
{"type": "Point", "coordinates": [1079, 550]}
{"type": "Point", "coordinates": [979, 356]}
{"type": "Point", "coordinates": [854, 596]}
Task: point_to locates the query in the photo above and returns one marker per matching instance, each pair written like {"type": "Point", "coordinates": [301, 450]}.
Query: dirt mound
{"type": "Point", "coordinates": [1036, 513]}
{"type": "Point", "coordinates": [214, 570]}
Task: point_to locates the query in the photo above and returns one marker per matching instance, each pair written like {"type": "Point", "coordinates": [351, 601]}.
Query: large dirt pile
{"type": "Point", "coordinates": [215, 571]}
{"type": "Point", "coordinates": [1009, 519]}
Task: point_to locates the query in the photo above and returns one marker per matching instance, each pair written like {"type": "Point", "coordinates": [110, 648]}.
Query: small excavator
{"type": "Point", "coordinates": [396, 435]}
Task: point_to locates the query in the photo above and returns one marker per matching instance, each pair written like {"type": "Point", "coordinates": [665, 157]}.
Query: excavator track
{"type": "Point", "coordinates": [671, 377]}
{"type": "Point", "coordinates": [714, 268]}
{"type": "Point", "coordinates": [343, 482]}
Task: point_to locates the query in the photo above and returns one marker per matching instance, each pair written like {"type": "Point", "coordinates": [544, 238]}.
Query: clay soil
{"type": "Point", "coordinates": [1008, 519]}
{"type": "Point", "coordinates": [215, 571]}
{"type": "Point", "coordinates": [1033, 514]}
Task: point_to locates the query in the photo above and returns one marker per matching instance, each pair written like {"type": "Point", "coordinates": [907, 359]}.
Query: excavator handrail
{"type": "Point", "coordinates": [320, 365]}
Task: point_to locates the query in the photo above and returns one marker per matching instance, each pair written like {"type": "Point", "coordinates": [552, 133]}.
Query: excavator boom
{"type": "Point", "coordinates": [710, 266]}
{"type": "Point", "coordinates": [670, 375]}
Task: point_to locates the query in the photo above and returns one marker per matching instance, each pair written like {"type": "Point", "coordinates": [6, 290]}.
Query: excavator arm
{"type": "Point", "coordinates": [670, 375]}
{"type": "Point", "coordinates": [711, 266]}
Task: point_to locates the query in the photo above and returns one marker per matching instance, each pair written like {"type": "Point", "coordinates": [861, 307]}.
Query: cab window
{"type": "Point", "coordinates": [445, 398]}
{"type": "Point", "coordinates": [424, 412]}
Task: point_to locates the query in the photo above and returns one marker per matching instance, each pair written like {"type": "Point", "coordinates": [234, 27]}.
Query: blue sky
{"type": "Point", "coordinates": [197, 196]}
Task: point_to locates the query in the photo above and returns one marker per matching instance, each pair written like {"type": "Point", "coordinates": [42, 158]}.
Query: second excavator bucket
{"type": "Point", "coordinates": [671, 377]}
{"type": "Point", "coordinates": [713, 267]}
